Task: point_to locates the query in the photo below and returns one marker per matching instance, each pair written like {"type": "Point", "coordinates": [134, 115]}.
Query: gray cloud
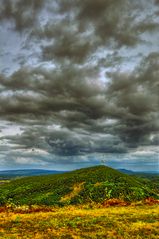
{"type": "Point", "coordinates": [64, 142]}
{"type": "Point", "coordinates": [84, 95]}
{"type": "Point", "coordinates": [137, 94]}
{"type": "Point", "coordinates": [87, 28]}
{"type": "Point", "coordinates": [22, 13]}
{"type": "Point", "coordinates": [71, 98]}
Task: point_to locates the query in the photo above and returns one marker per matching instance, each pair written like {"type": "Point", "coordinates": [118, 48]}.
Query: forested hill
{"type": "Point", "coordinates": [94, 184]}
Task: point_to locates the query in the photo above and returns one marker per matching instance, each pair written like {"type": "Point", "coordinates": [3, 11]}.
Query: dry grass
{"type": "Point", "coordinates": [75, 191]}
{"type": "Point", "coordinates": [131, 222]}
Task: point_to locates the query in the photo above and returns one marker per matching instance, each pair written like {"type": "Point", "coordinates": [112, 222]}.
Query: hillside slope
{"type": "Point", "coordinates": [80, 186]}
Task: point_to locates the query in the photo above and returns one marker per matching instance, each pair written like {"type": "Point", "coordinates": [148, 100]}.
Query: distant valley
{"type": "Point", "coordinates": [8, 174]}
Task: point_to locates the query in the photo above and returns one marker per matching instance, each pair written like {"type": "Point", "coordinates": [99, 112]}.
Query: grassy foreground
{"type": "Point", "coordinates": [82, 222]}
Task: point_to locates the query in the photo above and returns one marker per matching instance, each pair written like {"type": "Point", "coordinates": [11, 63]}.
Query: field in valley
{"type": "Point", "coordinates": [113, 222]}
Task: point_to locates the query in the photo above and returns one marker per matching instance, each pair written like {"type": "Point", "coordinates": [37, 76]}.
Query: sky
{"type": "Point", "coordinates": [79, 84]}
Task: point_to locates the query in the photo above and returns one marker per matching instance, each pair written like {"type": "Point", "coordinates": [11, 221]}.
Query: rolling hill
{"type": "Point", "coordinates": [9, 174]}
{"type": "Point", "coordinates": [146, 173]}
{"type": "Point", "coordinates": [94, 184]}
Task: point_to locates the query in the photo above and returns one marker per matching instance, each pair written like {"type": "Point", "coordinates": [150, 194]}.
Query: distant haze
{"type": "Point", "coordinates": [79, 84]}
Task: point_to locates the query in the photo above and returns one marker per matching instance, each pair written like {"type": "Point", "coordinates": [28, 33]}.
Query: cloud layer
{"type": "Point", "coordinates": [85, 82]}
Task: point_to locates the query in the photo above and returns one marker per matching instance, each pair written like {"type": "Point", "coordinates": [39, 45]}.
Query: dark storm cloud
{"type": "Point", "coordinates": [88, 28]}
{"type": "Point", "coordinates": [45, 92]}
{"type": "Point", "coordinates": [138, 95]}
{"type": "Point", "coordinates": [76, 99]}
{"type": "Point", "coordinates": [155, 140]}
{"type": "Point", "coordinates": [65, 142]}
{"type": "Point", "coordinates": [29, 139]}
{"type": "Point", "coordinates": [89, 25]}
{"type": "Point", "coordinates": [104, 18]}
{"type": "Point", "coordinates": [22, 13]}
{"type": "Point", "coordinates": [70, 46]}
